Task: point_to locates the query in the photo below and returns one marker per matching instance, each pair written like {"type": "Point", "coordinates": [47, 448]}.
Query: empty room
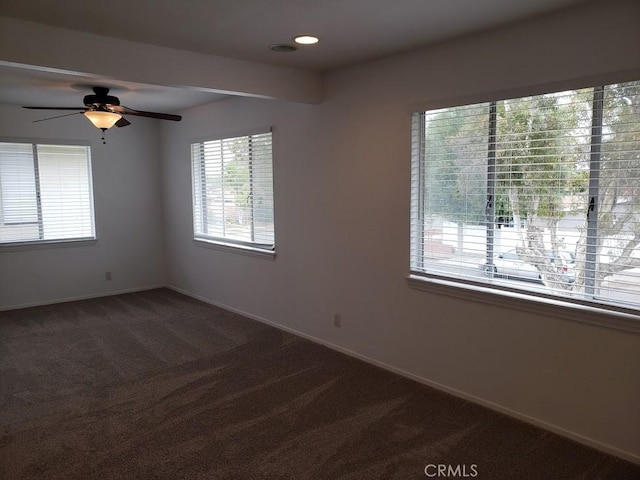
{"type": "Point", "coordinates": [306, 239]}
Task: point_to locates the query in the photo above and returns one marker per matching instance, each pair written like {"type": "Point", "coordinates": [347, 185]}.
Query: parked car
{"type": "Point", "coordinates": [510, 264]}
{"type": "Point", "coordinates": [566, 264]}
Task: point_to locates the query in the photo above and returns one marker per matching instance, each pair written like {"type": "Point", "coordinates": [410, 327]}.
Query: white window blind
{"type": "Point", "coordinates": [233, 190]}
{"type": "Point", "coordinates": [539, 193]}
{"type": "Point", "coordinates": [45, 193]}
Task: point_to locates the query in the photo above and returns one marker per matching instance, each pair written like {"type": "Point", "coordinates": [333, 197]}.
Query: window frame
{"type": "Point", "coordinates": [63, 242]}
{"type": "Point", "coordinates": [225, 244]}
{"type": "Point", "coordinates": [573, 309]}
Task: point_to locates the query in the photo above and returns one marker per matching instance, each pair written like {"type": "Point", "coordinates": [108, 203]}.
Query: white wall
{"type": "Point", "coordinates": [342, 223]}
{"type": "Point", "coordinates": [128, 215]}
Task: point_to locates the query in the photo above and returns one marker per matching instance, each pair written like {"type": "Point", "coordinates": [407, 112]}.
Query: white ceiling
{"type": "Point", "coordinates": [32, 87]}
{"type": "Point", "coordinates": [351, 31]}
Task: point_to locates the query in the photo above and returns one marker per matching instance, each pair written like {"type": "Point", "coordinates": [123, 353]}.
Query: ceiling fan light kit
{"type": "Point", "coordinates": [102, 120]}
{"type": "Point", "coordinates": [104, 111]}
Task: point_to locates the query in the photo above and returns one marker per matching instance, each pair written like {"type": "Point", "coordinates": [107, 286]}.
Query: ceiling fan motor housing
{"type": "Point", "coordinates": [101, 99]}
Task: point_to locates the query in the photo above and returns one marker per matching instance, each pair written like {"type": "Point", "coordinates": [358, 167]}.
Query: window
{"type": "Point", "coordinates": [45, 193]}
{"type": "Point", "coordinates": [538, 194]}
{"type": "Point", "coordinates": [233, 191]}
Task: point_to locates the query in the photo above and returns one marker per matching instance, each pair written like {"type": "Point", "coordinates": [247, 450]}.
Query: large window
{"type": "Point", "coordinates": [233, 191]}
{"type": "Point", "coordinates": [540, 194]}
{"type": "Point", "coordinates": [45, 193]}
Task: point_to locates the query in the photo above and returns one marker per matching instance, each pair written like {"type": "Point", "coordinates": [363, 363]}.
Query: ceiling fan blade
{"type": "Point", "coordinates": [160, 116]}
{"type": "Point", "coordinates": [55, 108]}
{"type": "Point", "coordinates": [123, 122]}
{"type": "Point", "coordinates": [57, 116]}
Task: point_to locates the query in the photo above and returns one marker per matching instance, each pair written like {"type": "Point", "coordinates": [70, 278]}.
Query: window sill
{"type": "Point", "coordinates": [233, 248]}
{"type": "Point", "coordinates": [39, 245]}
{"type": "Point", "coordinates": [592, 315]}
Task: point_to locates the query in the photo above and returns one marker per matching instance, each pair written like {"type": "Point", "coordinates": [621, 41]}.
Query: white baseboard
{"type": "Point", "coordinates": [81, 297]}
{"type": "Point", "coordinates": [629, 456]}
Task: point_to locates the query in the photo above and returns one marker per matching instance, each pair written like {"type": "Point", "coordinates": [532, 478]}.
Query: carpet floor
{"type": "Point", "coordinates": [156, 385]}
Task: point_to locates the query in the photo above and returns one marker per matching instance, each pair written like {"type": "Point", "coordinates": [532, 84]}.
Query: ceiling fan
{"type": "Point", "coordinates": [104, 111]}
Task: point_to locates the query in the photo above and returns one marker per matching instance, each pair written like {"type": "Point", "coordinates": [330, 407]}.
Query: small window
{"type": "Point", "coordinates": [45, 193]}
{"type": "Point", "coordinates": [233, 191]}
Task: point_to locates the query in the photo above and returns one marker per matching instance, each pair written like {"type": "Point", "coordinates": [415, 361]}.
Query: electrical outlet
{"type": "Point", "coordinates": [107, 275]}
{"type": "Point", "coordinates": [337, 321]}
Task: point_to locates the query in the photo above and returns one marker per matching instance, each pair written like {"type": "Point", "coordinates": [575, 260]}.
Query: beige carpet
{"type": "Point", "coordinates": [155, 385]}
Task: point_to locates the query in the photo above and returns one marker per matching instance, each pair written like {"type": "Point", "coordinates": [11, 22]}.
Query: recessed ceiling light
{"type": "Point", "coordinates": [283, 48]}
{"type": "Point", "coordinates": [306, 39]}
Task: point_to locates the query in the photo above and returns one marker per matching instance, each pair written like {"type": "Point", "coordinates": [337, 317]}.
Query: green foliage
{"type": "Point", "coordinates": [237, 178]}
{"type": "Point", "coordinates": [537, 155]}
{"type": "Point", "coordinates": [456, 180]}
